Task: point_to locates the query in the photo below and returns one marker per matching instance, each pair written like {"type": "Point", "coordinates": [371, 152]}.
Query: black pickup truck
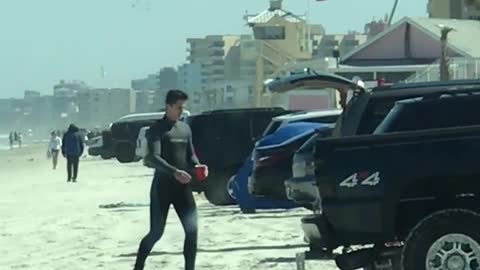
{"type": "Point", "coordinates": [399, 178]}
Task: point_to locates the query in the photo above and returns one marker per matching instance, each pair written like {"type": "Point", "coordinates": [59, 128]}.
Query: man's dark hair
{"type": "Point", "coordinates": [175, 95]}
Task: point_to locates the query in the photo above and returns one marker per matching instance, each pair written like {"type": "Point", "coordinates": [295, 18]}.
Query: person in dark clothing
{"type": "Point", "coordinates": [170, 152]}
{"type": "Point", "coordinates": [72, 150]}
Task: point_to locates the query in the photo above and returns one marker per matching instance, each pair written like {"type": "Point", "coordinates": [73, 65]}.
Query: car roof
{"type": "Point", "coordinates": [426, 87]}
{"type": "Point", "coordinates": [144, 116]}
{"type": "Point", "coordinates": [306, 115]}
{"type": "Point", "coordinates": [244, 110]}
{"type": "Point", "coordinates": [140, 116]}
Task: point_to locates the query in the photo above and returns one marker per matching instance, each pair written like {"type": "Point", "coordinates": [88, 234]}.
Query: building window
{"type": "Point", "coordinates": [250, 90]}
{"type": "Point", "coordinates": [269, 32]}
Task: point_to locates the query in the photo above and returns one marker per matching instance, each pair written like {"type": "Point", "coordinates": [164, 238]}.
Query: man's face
{"type": "Point", "coordinates": [175, 111]}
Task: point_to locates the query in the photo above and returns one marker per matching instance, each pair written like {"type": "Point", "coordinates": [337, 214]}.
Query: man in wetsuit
{"type": "Point", "coordinates": [171, 154]}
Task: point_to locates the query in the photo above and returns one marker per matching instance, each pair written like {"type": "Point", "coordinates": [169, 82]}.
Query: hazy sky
{"type": "Point", "coordinates": [43, 41]}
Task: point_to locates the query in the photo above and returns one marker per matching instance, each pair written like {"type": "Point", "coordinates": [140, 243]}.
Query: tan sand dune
{"type": "Point", "coordinates": [48, 224]}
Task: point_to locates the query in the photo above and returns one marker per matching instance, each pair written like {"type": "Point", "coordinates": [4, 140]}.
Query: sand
{"type": "Point", "coordinates": [97, 223]}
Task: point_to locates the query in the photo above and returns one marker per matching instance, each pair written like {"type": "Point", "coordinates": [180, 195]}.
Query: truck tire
{"type": "Point", "coordinates": [448, 239]}
{"type": "Point", "coordinates": [105, 156]}
{"type": "Point", "coordinates": [217, 190]}
{"type": "Point", "coordinates": [125, 152]}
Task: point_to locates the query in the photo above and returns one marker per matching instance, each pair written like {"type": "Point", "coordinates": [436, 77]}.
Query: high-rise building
{"type": "Point", "coordinates": [454, 9]}
{"type": "Point", "coordinates": [168, 78]}
{"type": "Point", "coordinates": [98, 107]}
{"type": "Point", "coordinates": [190, 77]}
{"type": "Point", "coordinates": [218, 57]}
{"type": "Point", "coordinates": [150, 83]}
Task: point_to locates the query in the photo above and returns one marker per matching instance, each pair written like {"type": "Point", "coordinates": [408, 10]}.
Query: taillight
{"type": "Point", "coordinates": [271, 159]}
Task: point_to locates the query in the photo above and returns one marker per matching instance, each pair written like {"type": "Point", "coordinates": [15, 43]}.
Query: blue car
{"type": "Point", "coordinates": [286, 141]}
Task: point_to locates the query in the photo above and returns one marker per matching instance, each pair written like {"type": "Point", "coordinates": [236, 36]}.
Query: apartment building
{"type": "Point", "coordinates": [98, 107]}
{"type": "Point", "coordinates": [149, 83]}
{"type": "Point", "coordinates": [217, 55]}
{"type": "Point", "coordinates": [454, 9]}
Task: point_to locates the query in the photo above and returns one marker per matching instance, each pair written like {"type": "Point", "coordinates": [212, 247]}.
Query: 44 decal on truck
{"type": "Point", "coordinates": [361, 178]}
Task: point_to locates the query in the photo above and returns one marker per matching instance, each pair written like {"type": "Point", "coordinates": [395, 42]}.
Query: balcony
{"type": "Point", "coordinates": [329, 42]}
{"type": "Point", "coordinates": [217, 44]}
{"type": "Point", "coordinates": [217, 72]}
{"type": "Point", "coordinates": [218, 53]}
{"type": "Point", "coordinates": [350, 42]}
{"type": "Point", "coordinates": [218, 62]}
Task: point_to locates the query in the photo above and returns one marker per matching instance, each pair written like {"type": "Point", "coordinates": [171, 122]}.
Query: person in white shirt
{"type": "Point", "coordinates": [54, 148]}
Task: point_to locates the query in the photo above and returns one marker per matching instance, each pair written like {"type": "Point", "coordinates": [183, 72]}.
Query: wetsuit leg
{"type": "Point", "coordinates": [186, 209]}
{"type": "Point", "coordinates": [160, 199]}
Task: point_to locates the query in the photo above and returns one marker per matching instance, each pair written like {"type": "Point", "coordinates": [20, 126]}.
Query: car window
{"type": "Point", "coordinates": [272, 127]}
{"type": "Point", "coordinates": [374, 114]}
{"type": "Point", "coordinates": [330, 119]}
{"type": "Point", "coordinates": [433, 114]}
{"type": "Point", "coordinates": [259, 123]}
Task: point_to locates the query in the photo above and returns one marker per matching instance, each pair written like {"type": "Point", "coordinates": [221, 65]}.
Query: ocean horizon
{"type": "Point", "coordinates": [4, 142]}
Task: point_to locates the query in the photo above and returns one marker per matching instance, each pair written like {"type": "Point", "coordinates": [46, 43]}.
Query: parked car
{"type": "Point", "coordinates": [222, 140]}
{"type": "Point", "coordinates": [324, 116]}
{"type": "Point", "coordinates": [125, 133]}
{"type": "Point", "coordinates": [108, 149]}
{"type": "Point", "coordinates": [248, 203]}
{"type": "Point", "coordinates": [95, 146]}
{"type": "Point", "coordinates": [273, 154]}
{"type": "Point", "coordinates": [399, 179]}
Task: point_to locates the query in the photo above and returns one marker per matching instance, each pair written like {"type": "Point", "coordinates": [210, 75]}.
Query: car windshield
{"type": "Point", "coordinates": [127, 127]}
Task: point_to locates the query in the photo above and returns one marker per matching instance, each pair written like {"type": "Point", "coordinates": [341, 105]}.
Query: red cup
{"type": "Point", "coordinates": [201, 172]}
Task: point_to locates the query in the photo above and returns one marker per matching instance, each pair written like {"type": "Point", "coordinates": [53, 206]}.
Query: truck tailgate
{"type": "Point", "coordinates": [355, 172]}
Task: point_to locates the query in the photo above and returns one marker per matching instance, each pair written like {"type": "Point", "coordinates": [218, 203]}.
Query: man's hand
{"type": "Point", "coordinates": [182, 177]}
{"type": "Point", "coordinates": [206, 170]}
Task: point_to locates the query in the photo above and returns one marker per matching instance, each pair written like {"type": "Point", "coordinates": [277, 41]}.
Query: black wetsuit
{"type": "Point", "coordinates": [170, 148]}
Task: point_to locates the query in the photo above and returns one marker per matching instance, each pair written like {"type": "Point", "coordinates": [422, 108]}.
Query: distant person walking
{"type": "Point", "coordinates": [20, 139]}
{"type": "Point", "coordinates": [54, 147]}
{"type": "Point", "coordinates": [72, 150]}
{"type": "Point", "coordinates": [11, 139]}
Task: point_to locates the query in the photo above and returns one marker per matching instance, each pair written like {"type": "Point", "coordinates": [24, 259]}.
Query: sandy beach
{"type": "Point", "coordinates": [97, 223]}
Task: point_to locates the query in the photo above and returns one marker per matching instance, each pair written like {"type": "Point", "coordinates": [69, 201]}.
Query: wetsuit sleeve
{"type": "Point", "coordinates": [191, 152]}
{"type": "Point", "coordinates": [154, 155]}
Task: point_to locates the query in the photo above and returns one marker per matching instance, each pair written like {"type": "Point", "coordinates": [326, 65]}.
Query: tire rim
{"type": "Point", "coordinates": [454, 252]}
{"type": "Point", "coordinates": [230, 184]}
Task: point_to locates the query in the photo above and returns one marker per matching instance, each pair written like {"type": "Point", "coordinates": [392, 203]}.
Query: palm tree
{"type": "Point", "coordinates": [444, 59]}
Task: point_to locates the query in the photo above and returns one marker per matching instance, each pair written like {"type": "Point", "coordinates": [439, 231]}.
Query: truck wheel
{"type": "Point", "coordinates": [448, 240]}
{"type": "Point", "coordinates": [217, 192]}
{"type": "Point", "coordinates": [125, 152]}
{"type": "Point", "coordinates": [105, 156]}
